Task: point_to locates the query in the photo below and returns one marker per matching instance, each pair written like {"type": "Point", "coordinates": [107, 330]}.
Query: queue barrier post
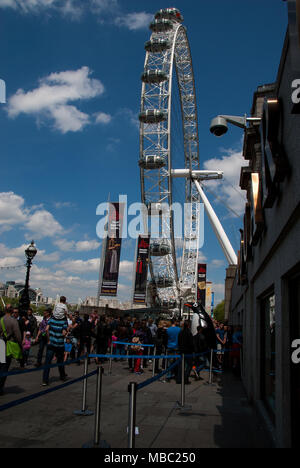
{"type": "Point", "coordinates": [183, 381]}
{"type": "Point", "coordinates": [97, 442]}
{"type": "Point", "coordinates": [98, 406]}
{"type": "Point", "coordinates": [84, 411]}
{"type": "Point", "coordinates": [211, 366]}
{"type": "Point", "coordinates": [153, 363]}
{"type": "Point", "coordinates": [132, 388]}
{"type": "Point", "coordinates": [110, 360]}
{"type": "Point", "coordinates": [181, 405]}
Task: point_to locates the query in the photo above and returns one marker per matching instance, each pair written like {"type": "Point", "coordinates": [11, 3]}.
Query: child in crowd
{"type": "Point", "coordinates": [26, 347]}
{"type": "Point", "coordinates": [114, 338]}
{"type": "Point", "coordinates": [68, 349]}
{"type": "Point", "coordinates": [137, 349]}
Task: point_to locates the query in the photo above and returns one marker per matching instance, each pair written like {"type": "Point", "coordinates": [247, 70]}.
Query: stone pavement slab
{"type": "Point", "coordinates": [220, 416]}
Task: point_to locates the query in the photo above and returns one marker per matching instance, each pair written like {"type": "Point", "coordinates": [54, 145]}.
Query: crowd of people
{"type": "Point", "coordinates": [66, 336]}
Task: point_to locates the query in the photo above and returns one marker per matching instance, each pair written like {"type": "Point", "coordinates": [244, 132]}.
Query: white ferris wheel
{"type": "Point", "coordinates": [170, 163]}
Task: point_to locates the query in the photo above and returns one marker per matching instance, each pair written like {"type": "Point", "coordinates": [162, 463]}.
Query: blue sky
{"type": "Point", "coordinates": [69, 133]}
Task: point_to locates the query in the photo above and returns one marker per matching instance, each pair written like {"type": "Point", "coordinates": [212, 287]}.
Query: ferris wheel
{"type": "Point", "coordinates": [169, 159]}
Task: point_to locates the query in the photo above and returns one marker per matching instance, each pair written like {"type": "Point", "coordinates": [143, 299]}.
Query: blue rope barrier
{"type": "Point", "coordinates": [139, 356]}
{"type": "Point", "coordinates": [157, 377]}
{"type": "Point", "coordinates": [39, 369]}
{"type": "Point", "coordinates": [21, 401]}
{"type": "Point", "coordinates": [134, 344]}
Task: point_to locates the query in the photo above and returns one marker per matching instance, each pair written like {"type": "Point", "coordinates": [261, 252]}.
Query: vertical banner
{"type": "Point", "coordinates": [201, 296]}
{"type": "Point", "coordinates": [208, 297]}
{"type": "Point", "coordinates": [112, 250]}
{"type": "Point", "coordinates": [212, 304]}
{"type": "Point", "coordinates": [141, 271]}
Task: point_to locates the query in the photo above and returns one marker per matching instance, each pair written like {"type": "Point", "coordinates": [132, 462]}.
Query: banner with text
{"type": "Point", "coordinates": [112, 255]}
{"type": "Point", "coordinates": [201, 296]}
{"type": "Point", "coordinates": [141, 273]}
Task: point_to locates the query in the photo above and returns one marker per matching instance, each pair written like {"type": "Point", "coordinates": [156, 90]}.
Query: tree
{"type": "Point", "coordinates": [219, 312]}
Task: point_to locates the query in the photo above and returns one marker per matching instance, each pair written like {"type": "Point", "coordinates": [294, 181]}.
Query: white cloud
{"type": "Point", "coordinates": [43, 224]}
{"type": "Point", "coordinates": [15, 256]}
{"type": "Point", "coordinates": [228, 190]}
{"type": "Point", "coordinates": [102, 118]}
{"type": "Point", "coordinates": [81, 266]}
{"type": "Point", "coordinates": [104, 6]}
{"type": "Point", "coordinates": [217, 264]}
{"type": "Point", "coordinates": [135, 21]}
{"type": "Point", "coordinates": [51, 99]}
{"type": "Point", "coordinates": [202, 258]}
{"type": "Point", "coordinates": [59, 205]}
{"type": "Point", "coordinates": [12, 210]}
{"type": "Point", "coordinates": [82, 246]}
{"type": "Point", "coordinates": [87, 246]}
{"type": "Point", "coordinates": [70, 8]}
{"type": "Point", "coordinates": [38, 222]}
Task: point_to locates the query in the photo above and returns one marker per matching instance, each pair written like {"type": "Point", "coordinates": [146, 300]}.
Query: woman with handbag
{"type": "Point", "coordinates": [11, 335]}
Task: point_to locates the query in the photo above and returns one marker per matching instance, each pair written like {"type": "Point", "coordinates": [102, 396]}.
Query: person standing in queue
{"type": "Point", "coordinates": [57, 330]}
{"type": "Point", "coordinates": [11, 335]}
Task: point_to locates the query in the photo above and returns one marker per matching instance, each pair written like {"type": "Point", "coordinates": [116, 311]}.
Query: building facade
{"type": "Point", "coordinates": [265, 290]}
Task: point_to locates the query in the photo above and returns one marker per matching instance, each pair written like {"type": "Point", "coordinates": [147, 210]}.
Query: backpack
{"type": "Point", "coordinates": [12, 349]}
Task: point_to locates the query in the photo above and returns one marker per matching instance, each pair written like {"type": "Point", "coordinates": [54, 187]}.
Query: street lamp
{"type": "Point", "coordinates": [219, 125]}
{"type": "Point", "coordinates": [24, 302]}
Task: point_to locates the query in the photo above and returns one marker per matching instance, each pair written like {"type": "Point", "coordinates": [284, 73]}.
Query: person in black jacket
{"type": "Point", "coordinates": [86, 334]}
{"type": "Point", "coordinates": [200, 347]}
{"type": "Point", "coordinates": [103, 336]}
{"type": "Point", "coordinates": [186, 347]}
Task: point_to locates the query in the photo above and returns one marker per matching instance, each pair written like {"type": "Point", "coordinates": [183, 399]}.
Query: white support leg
{"type": "Point", "coordinates": [217, 227]}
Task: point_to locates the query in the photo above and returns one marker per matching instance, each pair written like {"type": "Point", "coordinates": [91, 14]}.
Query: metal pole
{"type": "Point", "coordinates": [211, 365]}
{"type": "Point", "coordinates": [132, 414]}
{"type": "Point", "coordinates": [154, 362]}
{"type": "Point", "coordinates": [84, 411]}
{"type": "Point", "coordinates": [84, 394]}
{"type": "Point", "coordinates": [110, 360]}
{"type": "Point", "coordinates": [100, 372]}
{"type": "Point", "coordinates": [183, 382]}
{"type": "Point", "coordinates": [217, 227]}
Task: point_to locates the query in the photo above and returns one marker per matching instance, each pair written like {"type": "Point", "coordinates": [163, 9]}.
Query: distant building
{"type": "Point", "coordinates": [14, 290]}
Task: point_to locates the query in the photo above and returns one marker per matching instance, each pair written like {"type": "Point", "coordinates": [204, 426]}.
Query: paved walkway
{"type": "Point", "coordinates": [220, 416]}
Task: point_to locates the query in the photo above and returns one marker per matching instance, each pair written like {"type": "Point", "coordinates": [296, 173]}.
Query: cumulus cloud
{"type": "Point", "coordinates": [103, 118]}
{"type": "Point", "coordinates": [135, 21]}
{"type": "Point", "coordinates": [12, 210]}
{"type": "Point", "coordinates": [105, 11]}
{"type": "Point", "coordinates": [70, 8]}
{"type": "Point", "coordinates": [15, 256]}
{"type": "Point", "coordinates": [228, 190]}
{"type": "Point", "coordinates": [81, 266]}
{"type": "Point", "coordinates": [52, 99]}
{"type": "Point", "coordinates": [38, 222]}
{"type": "Point", "coordinates": [217, 264]}
{"type": "Point", "coordinates": [82, 246]}
{"type": "Point", "coordinates": [43, 224]}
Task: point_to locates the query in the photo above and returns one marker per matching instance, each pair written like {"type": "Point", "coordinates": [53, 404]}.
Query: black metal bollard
{"type": "Point", "coordinates": [132, 388]}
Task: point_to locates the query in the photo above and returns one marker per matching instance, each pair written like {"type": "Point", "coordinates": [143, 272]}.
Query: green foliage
{"type": "Point", "coordinates": [7, 300]}
{"type": "Point", "coordinates": [219, 312]}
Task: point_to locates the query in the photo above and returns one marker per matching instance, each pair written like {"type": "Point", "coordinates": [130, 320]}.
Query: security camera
{"type": "Point", "coordinates": [219, 126]}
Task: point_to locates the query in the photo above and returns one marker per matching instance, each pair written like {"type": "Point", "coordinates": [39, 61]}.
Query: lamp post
{"type": "Point", "coordinates": [24, 302]}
